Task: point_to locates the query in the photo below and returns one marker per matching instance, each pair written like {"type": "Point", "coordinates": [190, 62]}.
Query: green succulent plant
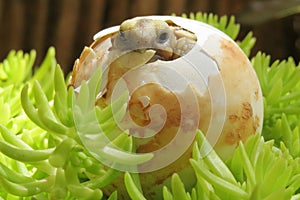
{"type": "Point", "coordinates": [42, 155]}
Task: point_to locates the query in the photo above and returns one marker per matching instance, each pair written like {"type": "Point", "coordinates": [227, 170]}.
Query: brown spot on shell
{"type": "Point", "coordinates": [256, 123]}
{"type": "Point", "coordinates": [256, 94]}
{"type": "Point", "coordinates": [230, 138]}
{"type": "Point", "coordinates": [232, 53]}
{"type": "Point", "coordinates": [233, 118]}
{"type": "Point", "coordinates": [243, 124]}
{"type": "Point", "coordinates": [247, 111]}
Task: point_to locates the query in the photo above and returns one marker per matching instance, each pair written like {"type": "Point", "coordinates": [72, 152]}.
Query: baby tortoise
{"type": "Point", "coordinates": [164, 39]}
{"type": "Point", "coordinates": [167, 39]}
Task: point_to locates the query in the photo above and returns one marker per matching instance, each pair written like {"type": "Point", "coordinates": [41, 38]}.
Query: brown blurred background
{"type": "Point", "coordinates": [69, 25]}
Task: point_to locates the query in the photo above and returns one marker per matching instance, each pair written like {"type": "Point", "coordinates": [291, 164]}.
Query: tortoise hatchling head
{"type": "Point", "coordinates": [163, 36]}
{"type": "Point", "coordinates": [144, 33]}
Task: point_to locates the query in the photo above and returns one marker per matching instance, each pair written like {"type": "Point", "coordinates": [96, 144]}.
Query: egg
{"type": "Point", "coordinates": [181, 75]}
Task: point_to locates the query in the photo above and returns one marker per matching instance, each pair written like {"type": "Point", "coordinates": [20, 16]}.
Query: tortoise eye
{"type": "Point", "coordinates": [163, 37]}
{"type": "Point", "coordinates": [122, 35]}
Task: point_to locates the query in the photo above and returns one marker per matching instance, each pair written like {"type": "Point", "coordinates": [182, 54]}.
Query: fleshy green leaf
{"type": "Point", "coordinates": [132, 189]}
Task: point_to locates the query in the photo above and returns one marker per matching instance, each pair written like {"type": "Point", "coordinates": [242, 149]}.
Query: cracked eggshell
{"type": "Point", "coordinates": [220, 74]}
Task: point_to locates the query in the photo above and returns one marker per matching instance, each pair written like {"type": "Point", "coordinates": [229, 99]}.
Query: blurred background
{"type": "Point", "coordinates": [69, 25]}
